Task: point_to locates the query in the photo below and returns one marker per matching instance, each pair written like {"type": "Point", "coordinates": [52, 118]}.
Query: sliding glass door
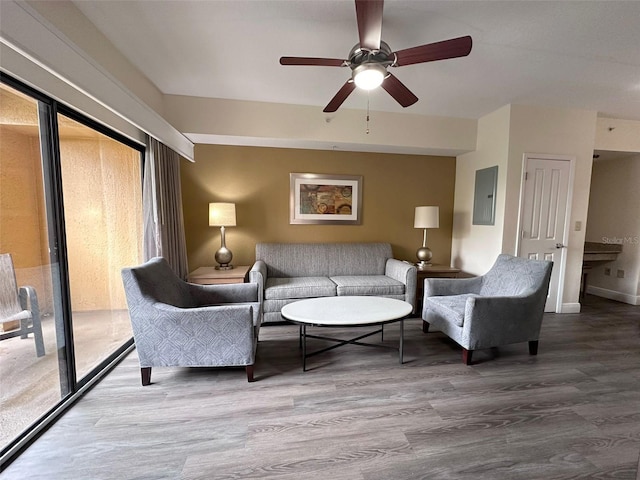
{"type": "Point", "coordinates": [71, 218]}
{"type": "Point", "coordinates": [102, 191]}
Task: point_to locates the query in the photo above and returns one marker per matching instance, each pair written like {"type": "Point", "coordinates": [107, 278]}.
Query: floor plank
{"type": "Point", "coordinates": [571, 412]}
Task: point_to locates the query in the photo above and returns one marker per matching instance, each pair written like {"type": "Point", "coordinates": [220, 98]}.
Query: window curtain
{"type": "Point", "coordinates": [162, 207]}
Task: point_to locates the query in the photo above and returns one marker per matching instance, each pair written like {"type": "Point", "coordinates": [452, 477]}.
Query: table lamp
{"type": "Point", "coordinates": [222, 215]}
{"type": "Point", "coordinates": [425, 217]}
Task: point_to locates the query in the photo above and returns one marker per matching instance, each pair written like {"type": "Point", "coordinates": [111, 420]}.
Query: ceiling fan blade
{"type": "Point", "coordinates": [397, 90]}
{"type": "Point", "coordinates": [340, 97]}
{"type": "Point", "coordinates": [320, 62]}
{"type": "Point", "coordinates": [456, 47]}
{"type": "Point", "coordinates": [369, 17]}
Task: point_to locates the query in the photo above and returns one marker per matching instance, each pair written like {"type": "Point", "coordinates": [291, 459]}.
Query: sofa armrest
{"type": "Point", "coordinates": [406, 273]}
{"type": "Point", "coordinates": [258, 275]}
{"type": "Point", "coordinates": [434, 287]}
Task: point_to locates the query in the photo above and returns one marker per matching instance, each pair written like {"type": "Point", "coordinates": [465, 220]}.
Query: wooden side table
{"type": "Point", "coordinates": [211, 276]}
{"type": "Point", "coordinates": [432, 271]}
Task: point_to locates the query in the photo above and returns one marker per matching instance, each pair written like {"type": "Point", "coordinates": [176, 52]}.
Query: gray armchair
{"type": "Point", "coordinates": [176, 323]}
{"type": "Point", "coordinates": [504, 306]}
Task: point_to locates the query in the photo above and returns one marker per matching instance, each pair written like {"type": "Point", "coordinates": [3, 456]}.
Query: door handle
{"type": "Point", "coordinates": [559, 245]}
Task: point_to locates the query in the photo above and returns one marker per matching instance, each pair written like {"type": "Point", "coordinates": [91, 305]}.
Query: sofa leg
{"type": "Point", "coordinates": [145, 373]}
{"type": "Point", "coordinates": [533, 347]}
{"type": "Point", "coordinates": [466, 356]}
{"type": "Point", "coordinates": [425, 326]}
{"type": "Point", "coordinates": [249, 369]}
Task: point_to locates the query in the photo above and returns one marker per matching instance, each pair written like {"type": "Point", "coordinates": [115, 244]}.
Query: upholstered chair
{"type": "Point", "coordinates": [19, 305]}
{"type": "Point", "coordinates": [176, 323]}
{"type": "Point", "coordinates": [504, 306]}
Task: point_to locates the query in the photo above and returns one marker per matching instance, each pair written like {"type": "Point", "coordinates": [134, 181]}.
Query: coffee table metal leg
{"type": "Point", "coordinates": [401, 349]}
{"type": "Point", "coordinates": [304, 348]}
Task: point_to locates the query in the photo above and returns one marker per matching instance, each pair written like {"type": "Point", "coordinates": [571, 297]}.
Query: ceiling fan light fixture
{"type": "Point", "coordinates": [369, 75]}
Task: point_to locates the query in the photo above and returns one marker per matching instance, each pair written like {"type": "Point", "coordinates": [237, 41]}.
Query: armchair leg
{"type": "Point", "coordinates": [533, 347]}
{"type": "Point", "coordinates": [145, 373]}
{"type": "Point", "coordinates": [249, 369]}
{"type": "Point", "coordinates": [466, 356]}
{"type": "Point", "coordinates": [425, 326]}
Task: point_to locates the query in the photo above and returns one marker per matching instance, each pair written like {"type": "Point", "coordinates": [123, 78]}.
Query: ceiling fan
{"type": "Point", "coordinates": [370, 59]}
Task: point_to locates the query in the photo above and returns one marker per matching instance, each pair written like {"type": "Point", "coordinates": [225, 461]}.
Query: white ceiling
{"type": "Point", "coordinates": [574, 54]}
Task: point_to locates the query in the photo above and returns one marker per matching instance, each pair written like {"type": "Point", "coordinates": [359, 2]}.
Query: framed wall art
{"type": "Point", "coordinates": [325, 199]}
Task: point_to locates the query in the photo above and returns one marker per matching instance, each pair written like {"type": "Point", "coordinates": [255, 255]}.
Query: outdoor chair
{"type": "Point", "coordinates": [504, 306]}
{"type": "Point", "coordinates": [19, 305]}
{"type": "Point", "coordinates": [180, 324]}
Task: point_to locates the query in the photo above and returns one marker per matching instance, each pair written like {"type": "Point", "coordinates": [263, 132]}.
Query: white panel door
{"type": "Point", "coordinates": [543, 216]}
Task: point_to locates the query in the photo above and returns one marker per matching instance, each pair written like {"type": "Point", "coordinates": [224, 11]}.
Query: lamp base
{"type": "Point", "coordinates": [223, 257]}
{"type": "Point", "coordinates": [423, 265]}
{"type": "Point", "coordinates": [424, 255]}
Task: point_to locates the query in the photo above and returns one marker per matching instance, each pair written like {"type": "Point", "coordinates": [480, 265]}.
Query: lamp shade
{"type": "Point", "coordinates": [427, 217]}
{"type": "Point", "coordinates": [222, 214]}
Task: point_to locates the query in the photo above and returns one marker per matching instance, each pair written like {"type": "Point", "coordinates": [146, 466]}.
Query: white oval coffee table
{"type": "Point", "coordinates": [350, 311]}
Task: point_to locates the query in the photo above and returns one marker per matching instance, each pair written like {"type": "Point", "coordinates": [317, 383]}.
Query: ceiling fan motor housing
{"type": "Point", "coordinates": [360, 56]}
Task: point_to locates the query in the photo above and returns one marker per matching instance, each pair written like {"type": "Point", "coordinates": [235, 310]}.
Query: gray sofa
{"type": "Point", "coordinates": [286, 272]}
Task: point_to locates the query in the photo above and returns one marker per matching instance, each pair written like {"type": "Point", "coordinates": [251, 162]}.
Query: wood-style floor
{"type": "Point", "coordinates": [572, 412]}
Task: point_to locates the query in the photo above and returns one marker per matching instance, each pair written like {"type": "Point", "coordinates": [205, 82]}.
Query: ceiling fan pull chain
{"type": "Point", "coordinates": [367, 130]}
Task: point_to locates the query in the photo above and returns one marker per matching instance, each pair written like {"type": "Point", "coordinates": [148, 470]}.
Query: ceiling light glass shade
{"type": "Point", "coordinates": [369, 76]}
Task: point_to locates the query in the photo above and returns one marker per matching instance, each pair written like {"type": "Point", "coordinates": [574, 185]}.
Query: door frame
{"type": "Point", "coordinates": [567, 218]}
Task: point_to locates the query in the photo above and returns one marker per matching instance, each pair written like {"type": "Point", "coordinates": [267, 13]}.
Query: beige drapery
{"type": "Point", "coordinates": [162, 207]}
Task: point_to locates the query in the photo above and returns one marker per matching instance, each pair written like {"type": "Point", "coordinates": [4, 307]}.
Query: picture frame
{"type": "Point", "coordinates": [325, 199]}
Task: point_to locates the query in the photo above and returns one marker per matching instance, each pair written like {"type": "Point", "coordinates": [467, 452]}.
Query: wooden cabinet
{"type": "Point", "coordinates": [211, 276]}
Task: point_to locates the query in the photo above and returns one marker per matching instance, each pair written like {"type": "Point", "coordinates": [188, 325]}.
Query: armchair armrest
{"type": "Point", "coordinates": [406, 273]}
{"type": "Point", "coordinates": [258, 275]}
{"type": "Point", "coordinates": [500, 320]}
{"type": "Point", "coordinates": [29, 300]}
{"type": "Point", "coordinates": [193, 333]}
{"type": "Point", "coordinates": [434, 287]}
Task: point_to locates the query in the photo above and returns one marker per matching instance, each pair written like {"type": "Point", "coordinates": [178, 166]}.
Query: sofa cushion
{"type": "Point", "coordinates": [450, 307]}
{"type": "Point", "coordinates": [278, 288]}
{"type": "Point", "coordinates": [379, 285]}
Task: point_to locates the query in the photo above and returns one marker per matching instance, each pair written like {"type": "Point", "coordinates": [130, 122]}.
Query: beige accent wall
{"type": "Point", "coordinates": [257, 180]}
{"type": "Point", "coordinates": [614, 217]}
{"type": "Point", "coordinates": [528, 130]}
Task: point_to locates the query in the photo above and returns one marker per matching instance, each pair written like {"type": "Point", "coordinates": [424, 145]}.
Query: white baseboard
{"type": "Point", "coordinates": [570, 308]}
{"type": "Point", "coordinates": [614, 295]}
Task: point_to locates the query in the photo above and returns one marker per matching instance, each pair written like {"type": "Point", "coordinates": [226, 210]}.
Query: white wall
{"type": "Point", "coordinates": [214, 120]}
{"type": "Point", "coordinates": [504, 137]}
{"type": "Point", "coordinates": [614, 217]}
{"type": "Point", "coordinates": [475, 247]}
{"type": "Point", "coordinates": [554, 131]}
